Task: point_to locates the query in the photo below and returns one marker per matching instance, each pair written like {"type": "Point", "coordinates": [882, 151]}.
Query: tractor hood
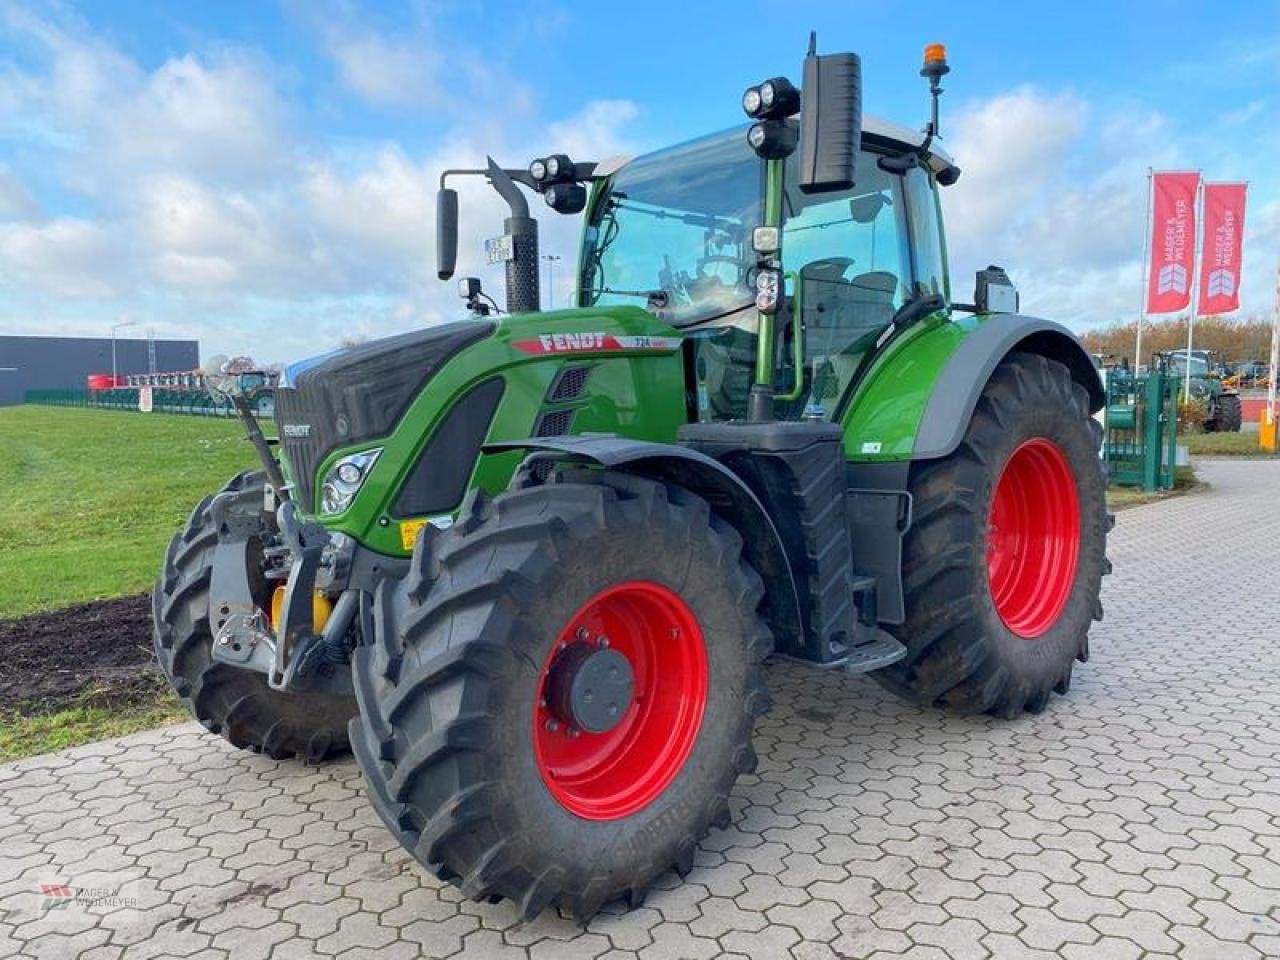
{"type": "Point", "coordinates": [350, 396]}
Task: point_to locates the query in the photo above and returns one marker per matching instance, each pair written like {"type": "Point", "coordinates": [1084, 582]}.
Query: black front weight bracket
{"type": "Point", "coordinates": [294, 657]}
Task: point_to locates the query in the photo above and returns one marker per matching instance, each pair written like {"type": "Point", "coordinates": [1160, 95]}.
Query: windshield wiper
{"type": "Point", "coordinates": [657, 298]}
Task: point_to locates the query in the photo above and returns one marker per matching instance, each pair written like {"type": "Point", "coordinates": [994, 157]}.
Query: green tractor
{"type": "Point", "coordinates": [528, 566]}
{"type": "Point", "coordinates": [1203, 386]}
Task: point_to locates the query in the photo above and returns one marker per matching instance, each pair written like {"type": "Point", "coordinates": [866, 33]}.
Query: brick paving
{"type": "Point", "coordinates": [1138, 817]}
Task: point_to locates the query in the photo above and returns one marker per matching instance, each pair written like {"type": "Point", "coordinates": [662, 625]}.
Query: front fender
{"type": "Point", "coordinates": [730, 498]}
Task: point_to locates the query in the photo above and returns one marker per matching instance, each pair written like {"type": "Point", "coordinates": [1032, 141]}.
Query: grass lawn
{"type": "Point", "coordinates": [1120, 498]}
{"type": "Point", "coordinates": [91, 498]}
{"type": "Point", "coordinates": [1223, 445]}
{"type": "Point", "coordinates": [26, 736]}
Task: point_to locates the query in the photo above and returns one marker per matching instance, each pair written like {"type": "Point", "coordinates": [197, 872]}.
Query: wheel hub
{"type": "Point", "coordinates": [590, 687]}
{"type": "Point", "coordinates": [1033, 538]}
{"type": "Point", "coordinates": [620, 700]}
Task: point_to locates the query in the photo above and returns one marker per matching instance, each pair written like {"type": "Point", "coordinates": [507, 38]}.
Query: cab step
{"type": "Point", "coordinates": [879, 651]}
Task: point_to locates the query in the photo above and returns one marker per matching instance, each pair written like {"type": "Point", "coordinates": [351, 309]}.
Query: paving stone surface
{"type": "Point", "coordinates": [1137, 817]}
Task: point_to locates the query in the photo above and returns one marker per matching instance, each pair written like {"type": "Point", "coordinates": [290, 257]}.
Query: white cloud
{"type": "Point", "coordinates": [386, 73]}
{"type": "Point", "coordinates": [65, 258]}
{"type": "Point", "coordinates": [381, 211]}
{"type": "Point", "coordinates": [219, 119]}
{"type": "Point", "coordinates": [16, 200]}
{"type": "Point", "coordinates": [1010, 149]}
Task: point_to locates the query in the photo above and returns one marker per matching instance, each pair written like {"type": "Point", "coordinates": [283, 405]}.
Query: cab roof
{"type": "Point", "coordinates": [892, 134]}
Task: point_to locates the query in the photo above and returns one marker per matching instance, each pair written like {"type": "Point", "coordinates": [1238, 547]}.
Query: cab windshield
{"type": "Point", "coordinates": [1178, 364]}
{"type": "Point", "coordinates": [674, 230]}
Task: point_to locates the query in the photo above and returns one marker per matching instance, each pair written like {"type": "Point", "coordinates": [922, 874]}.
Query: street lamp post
{"type": "Point", "coordinates": [551, 259]}
{"type": "Point", "coordinates": [114, 328]}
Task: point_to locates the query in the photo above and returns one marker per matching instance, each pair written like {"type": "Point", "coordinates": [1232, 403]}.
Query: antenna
{"type": "Point", "coordinates": [813, 43]}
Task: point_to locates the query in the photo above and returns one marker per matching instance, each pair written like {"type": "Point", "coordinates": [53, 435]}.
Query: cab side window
{"type": "Point", "coordinates": [850, 257]}
{"type": "Point", "coordinates": [926, 234]}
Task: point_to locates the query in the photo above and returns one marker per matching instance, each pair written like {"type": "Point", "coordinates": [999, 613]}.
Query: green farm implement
{"type": "Point", "coordinates": [528, 566]}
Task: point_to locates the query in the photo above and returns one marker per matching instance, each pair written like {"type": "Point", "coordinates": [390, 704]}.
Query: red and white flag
{"type": "Point", "coordinates": [1173, 241]}
{"type": "Point", "coordinates": [1220, 252]}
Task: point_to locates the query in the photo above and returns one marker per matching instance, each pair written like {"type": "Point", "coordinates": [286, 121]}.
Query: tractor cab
{"type": "Point", "coordinates": [674, 229]}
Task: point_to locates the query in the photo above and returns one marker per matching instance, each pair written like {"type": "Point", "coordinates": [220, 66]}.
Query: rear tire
{"type": "Point", "coordinates": [1229, 416]}
{"type": "Point", "coordinates": [236, 703]}
{"type": "Point", "coordinates": [454, 736]}
{"type": "Point", "coordinates": [995, 618]}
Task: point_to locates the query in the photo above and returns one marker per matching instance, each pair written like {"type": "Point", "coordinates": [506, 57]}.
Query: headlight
{"type": "Point", "coordinates": [343, 480]}
{"type": "Point", "coordinates": [767, 283]}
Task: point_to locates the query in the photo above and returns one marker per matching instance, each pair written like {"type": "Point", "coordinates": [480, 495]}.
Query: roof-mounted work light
{"type": "Point", "coordinates": [566, 197]}
{"type": "Point", "coordinates": [771, 100]}
{"type": "Point", "coordinates": [556, 168]}
{"type": "Point", "coordinates": [773, 139]}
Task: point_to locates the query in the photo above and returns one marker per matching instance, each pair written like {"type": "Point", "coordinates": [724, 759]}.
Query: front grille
{"type": "Point", "coordinates": [294, 414]}
{"type": "Point", "coordinates": [358, 395]}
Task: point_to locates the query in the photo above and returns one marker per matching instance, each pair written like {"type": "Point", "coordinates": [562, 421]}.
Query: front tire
{"type": "Point", "coordinates": [1003, 564]}
{"type": "Point", "coordinates": [468, 737]}
{"type": "Point", "coordinates": [236, 703]}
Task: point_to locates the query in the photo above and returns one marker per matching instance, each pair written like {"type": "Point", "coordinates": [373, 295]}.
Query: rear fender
{"type": "Point", "coordinates": [730, 498]}
{"type": "Point", "coordinates": [916, 400]}
{"type": "Point", "coordinates": [962, 378]}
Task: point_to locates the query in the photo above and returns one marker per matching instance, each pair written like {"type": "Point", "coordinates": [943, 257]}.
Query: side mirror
{"type": "Point", "coordinates": [830, 121]}
{"type": "Point", "coordinates": [446, 232]}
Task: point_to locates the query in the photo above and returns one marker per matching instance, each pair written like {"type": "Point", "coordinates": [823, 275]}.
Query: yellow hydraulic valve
{"type": "Point", "coordinates": [320, 609]}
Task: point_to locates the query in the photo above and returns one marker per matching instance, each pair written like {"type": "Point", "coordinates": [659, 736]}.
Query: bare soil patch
{"type": "Point", "coordinates": [96, 653]}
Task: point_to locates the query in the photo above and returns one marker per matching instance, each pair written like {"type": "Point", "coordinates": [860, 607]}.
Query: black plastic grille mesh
{"type": "Point", "coordinates": [569, 385]}
{"type": "Point", "coordinates": [553, 424]}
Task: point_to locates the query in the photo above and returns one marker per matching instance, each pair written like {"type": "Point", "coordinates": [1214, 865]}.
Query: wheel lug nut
{"type": "Point", "coordinates": [573, 733]}
{"type": "Point", "coordinates": [602, 642]}
{"type": "Point", "coordinates": [552, 726]}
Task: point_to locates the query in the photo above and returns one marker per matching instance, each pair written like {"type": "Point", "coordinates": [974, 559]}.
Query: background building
{"type": "Point", "coordinates": [63, 363]}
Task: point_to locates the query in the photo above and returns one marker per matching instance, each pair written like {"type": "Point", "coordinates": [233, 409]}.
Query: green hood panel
{"type": "Point", "coordinates": [606, 370]}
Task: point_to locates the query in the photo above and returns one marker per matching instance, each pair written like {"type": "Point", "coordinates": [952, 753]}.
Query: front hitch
{"type": "Point", "coordinates": [292, 655]}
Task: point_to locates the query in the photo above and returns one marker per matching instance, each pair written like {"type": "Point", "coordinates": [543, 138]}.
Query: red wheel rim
{"type": "Point", "coordinates": [609, 775]}
{"type": "Point", "coordinates": [1033, 538]}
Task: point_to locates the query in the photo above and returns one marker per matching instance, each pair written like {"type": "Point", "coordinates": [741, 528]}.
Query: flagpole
{"type": "Point", "coordinates": [1146, 267]}
{"type": "Point", "coordinates": [1195, 288]}
{"type": "Point", "coordinates": [1275, 348]}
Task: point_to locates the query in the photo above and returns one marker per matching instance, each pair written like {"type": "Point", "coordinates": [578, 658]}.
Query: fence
{"type": "Point", "coordinates": [190, 402]}
{"type": "Point", "coordinates": [1141, 429]}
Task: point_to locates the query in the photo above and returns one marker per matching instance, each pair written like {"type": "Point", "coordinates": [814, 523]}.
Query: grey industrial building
{"type": "Point", "coordinates": [63, 363]}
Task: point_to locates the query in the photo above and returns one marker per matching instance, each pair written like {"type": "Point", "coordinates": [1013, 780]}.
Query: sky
{"type": "Point", "coordinates": [261, 175]}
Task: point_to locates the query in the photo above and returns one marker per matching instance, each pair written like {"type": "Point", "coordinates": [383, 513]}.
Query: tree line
{"type": "Point", "coordinates": [1234, 339]}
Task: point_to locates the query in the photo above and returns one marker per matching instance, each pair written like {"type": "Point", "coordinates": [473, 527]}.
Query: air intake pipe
{"type": "Point", "coordinates": [522, 268]}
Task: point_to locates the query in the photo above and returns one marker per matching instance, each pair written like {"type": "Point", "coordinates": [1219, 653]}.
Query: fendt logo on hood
{"type": "Point", "coordinates": [298, 431]}
{"type": "Point", "coordinates": [594, 342]}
